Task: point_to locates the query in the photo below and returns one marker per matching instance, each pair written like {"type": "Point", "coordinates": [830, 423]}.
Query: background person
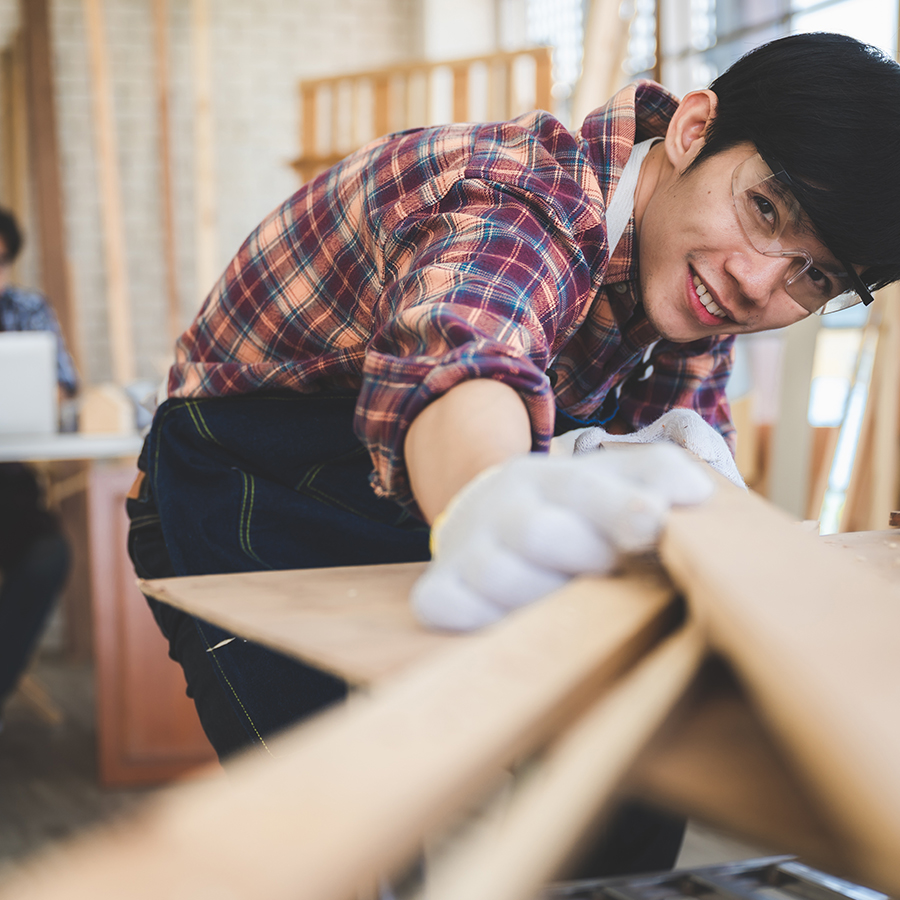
{"type": "Point", "coordinates": [34, 554]}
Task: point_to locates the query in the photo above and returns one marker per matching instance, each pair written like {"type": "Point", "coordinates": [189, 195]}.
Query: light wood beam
{"type": "Point", "coordinates": [813, 641]}
{"type": "Point", "coordinates": [46, 173]}
{"type": "Point", "coordinates": [161, 44]}
{"type": "Point", "coordinates": [118, 303]}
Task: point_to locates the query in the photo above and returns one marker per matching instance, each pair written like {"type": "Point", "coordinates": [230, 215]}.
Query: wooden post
{"type": "Point", "coordinates": [543, 80]}
{"type": "Point", "coordinates": [605, 45]}
{"type": "Point", "coordinates": [885, 452]}
{"type": "Point", "coordinates": [161, 28]}
{"type": "Point", "coordinates": [381, 87]}
{"type": "Point", "coordinates": [204, 154]}
{"type": "Point", "coordinates": [792, 440]}
{"type": "Point", "coordinates": [45, 167]}
{"type": "Point", "coordinates": [121, 338]}
{"type": "Point", "coordinates": [460, 93]}
{"type": "Point", "coordinates": [15, 140]}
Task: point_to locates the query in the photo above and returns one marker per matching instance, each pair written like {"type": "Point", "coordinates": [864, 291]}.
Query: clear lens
{"type": "Point", "coordinates": [842, 301]}
{"type": "Point", "coordinates": [769, 216]}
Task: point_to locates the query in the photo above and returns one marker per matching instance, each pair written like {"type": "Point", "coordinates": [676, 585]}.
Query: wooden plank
{"type": "Point", "coordinates": [792, 439]}
{"type": "Point", "coordinates": [877, 552]}
{"type": "Point", "coordinates": [557, 804]}
{"type": "Point", "coordinates": [354, 621]}
{"type": "Point", "coordinates": [46, 172]}
{"type": "Point", "coordinates": [605, 46]}
{"type": "Point", "coordinates": [118, 304]}
{"type": "Point", "coordinates": [883, 458]}
{"type": "Point", "coordinates": [408, 68]}
{"type": "Point", "coordinates": [350, 796]}
{"type": "Point", "coordinates": [161, 33]}
{"type": "Point", "coordinates": [858, 492]}
{"type": "Point", "coordinates": [713, 761]}
{"type": "Point", "coordinates": [813, 638]}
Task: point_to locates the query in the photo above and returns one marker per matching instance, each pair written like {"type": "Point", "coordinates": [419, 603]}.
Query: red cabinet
{"type": "Point", "coordinates": [148, 730]}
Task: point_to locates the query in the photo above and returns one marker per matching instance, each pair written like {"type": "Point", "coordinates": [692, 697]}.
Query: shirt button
{"type": "Point", "coordinates": [620, 288]}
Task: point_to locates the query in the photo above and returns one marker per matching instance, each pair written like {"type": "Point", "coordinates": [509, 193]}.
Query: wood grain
{"type": "Point", "coordinates": [814, 640]}
{"type": "Point", "coordinates": [714, 761]}
{"type": "Point", "coordinates": [46, 171]}
{"type": "Point", "coordinates": [350, 796]}
{"type": "Point", "coordinates": [354, 621]}
{"type": "Point", "coordinates": [560, 800]}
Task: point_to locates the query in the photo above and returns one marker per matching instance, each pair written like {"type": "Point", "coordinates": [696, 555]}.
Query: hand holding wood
{"type": "Point", "coordinates": [522, 529]}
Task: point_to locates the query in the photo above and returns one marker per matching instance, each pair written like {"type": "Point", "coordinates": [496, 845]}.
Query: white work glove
{"type": "Point", "coordinates": [522, 529]}
{"type": "Point", "coordinates": [683, 427]}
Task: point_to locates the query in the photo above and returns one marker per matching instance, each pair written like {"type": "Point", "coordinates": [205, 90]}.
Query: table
{"type": "Point", "coordinates": [47, 447]}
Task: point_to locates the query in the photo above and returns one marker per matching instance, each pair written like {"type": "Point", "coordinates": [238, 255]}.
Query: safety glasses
{"type": "Point", "coordinates": [774, 224]}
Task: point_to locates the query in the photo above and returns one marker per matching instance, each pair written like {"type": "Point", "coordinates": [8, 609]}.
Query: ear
{"type": "Point", "coordinates": [687, 130]}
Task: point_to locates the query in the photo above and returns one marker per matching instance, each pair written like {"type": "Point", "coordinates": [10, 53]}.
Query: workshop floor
{"type": "Point", "coordinates": [48, 772]}
{"type": "Point", "coordinates": [48, 776]}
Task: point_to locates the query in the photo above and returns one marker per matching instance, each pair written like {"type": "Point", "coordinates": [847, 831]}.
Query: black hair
{"type": "Point", "coordinates": [11, 235]}
{"type": "Point", "coordinates": [826, 108]}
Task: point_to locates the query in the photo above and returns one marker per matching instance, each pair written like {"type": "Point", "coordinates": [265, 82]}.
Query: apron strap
{"type": "Point", "coordinates": [622, 206]}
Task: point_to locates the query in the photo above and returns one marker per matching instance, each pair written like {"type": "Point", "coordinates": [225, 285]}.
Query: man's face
{"type": "Point", "coordinates": [699, 274]}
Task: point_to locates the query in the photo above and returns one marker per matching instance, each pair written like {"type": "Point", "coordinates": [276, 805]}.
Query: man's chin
{"type": "Point", "coordinates": [673, 328]}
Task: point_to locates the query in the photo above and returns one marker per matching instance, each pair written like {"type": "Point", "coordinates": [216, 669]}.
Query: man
{"type": "Point", "coordinates": [441, 302]}
{"type": "Point", "coordinates": [34, 555]}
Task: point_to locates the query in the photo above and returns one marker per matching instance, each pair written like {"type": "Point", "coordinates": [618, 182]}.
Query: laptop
{"type": "Point", "coordinates": [28, 387]}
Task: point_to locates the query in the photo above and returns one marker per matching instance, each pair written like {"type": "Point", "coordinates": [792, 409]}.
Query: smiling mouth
{"type": "Point", "coordinates": [706, 299]}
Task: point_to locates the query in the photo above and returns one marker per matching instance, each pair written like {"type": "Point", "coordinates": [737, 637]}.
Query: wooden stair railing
{"type": "Point", "coordinates": [341, 113]}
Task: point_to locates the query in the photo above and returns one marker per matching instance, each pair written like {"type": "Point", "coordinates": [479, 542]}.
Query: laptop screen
{"type": "Point", "coordinates": [28, 387]}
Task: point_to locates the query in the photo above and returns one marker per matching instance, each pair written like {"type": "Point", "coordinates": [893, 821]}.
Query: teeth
{"type": "Point", "coordinates": [707, 300]}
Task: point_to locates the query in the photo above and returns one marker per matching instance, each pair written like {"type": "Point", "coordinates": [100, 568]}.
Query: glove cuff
{"type": "Point", "coordinates": [434, 539]}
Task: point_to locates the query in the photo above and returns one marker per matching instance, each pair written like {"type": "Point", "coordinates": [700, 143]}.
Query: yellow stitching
{"type": "Point", "coordinates": [210, 436]}
{"type": "Point", "coordinates": [244, 524]}
{"type": "Point", "coordinates": [196, 415]}
{"type": "Point", "coordinates": [211, 651]}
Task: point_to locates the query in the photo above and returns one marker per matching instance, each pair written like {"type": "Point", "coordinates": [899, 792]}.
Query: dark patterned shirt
{"type": "Point", "coordinates": [24, 310]}
{"type": "Point", "coordinates": [449, 253]}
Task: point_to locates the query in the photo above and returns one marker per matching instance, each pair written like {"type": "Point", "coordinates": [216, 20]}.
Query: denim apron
{"type": "Point", "coordinates": [280, 481]}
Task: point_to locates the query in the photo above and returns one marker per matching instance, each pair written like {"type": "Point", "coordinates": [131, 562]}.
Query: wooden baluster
{"type": "Point", "coordinates": [509, 87]}
{"type": "Point", "coordinates": [543, 79]}
{"type": "Point", "coordinates": [308, 127]}
{"type": "Point", "coordinates": [461, 93]}
{"type": "Point", "coordinates": [381, 89]}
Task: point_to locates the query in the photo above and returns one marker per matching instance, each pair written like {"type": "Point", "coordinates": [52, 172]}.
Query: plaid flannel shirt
{"type": "Point", "coordinates": [448, 253]}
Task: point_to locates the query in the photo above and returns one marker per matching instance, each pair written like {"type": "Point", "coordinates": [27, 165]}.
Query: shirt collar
{"type": "Point", "coordinates": [639, 111]}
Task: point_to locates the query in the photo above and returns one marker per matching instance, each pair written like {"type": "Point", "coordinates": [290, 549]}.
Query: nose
{"type": "Point", "coordinates": [758, 276]}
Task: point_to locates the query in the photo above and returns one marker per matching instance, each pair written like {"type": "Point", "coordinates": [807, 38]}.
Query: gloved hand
{"type": "Point", "coordinates": [683, 427]}
{"type": "Point", "coordinates": [522, 529]}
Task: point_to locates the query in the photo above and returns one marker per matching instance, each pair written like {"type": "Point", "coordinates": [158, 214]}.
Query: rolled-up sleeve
{"type": "Point", "coordinates": [477, 287]}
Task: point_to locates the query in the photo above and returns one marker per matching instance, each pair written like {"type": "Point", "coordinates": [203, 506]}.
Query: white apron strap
{"type": "Point", "coordinates": [620, 209]}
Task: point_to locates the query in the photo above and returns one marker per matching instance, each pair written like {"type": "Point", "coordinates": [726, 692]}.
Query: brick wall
{"type": "Point", "coordinates": [259, 49]}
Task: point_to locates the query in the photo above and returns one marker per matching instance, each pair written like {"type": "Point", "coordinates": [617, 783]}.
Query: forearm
{"type": "Point", "coordinates": [475, 425]}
